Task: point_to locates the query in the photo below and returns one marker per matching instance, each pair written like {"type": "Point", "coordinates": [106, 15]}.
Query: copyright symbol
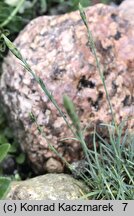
{"type": "Point", "coordinates": [9, 207]}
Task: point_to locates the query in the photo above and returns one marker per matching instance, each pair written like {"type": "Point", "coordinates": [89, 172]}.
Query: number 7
{"type": "Point", "coordinates": [125, 205]}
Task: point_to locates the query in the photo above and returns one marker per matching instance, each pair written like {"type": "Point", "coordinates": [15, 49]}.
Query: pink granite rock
{"type": "Point", "coordinates": [57, 49]}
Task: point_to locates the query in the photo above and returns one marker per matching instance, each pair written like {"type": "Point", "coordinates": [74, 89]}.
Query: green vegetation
{"type": "Point", "coordinates": [109, 169]}
{"type": "Point", "coordinates": [4, 182]}
{"type": "Point", "coordinates": [6, 137]}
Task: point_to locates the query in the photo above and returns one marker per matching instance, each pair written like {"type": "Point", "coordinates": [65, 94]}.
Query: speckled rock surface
{"type": "Point", "coordinates": [49, 186]}
{"type": "Point", "coordinates": [57, 49]}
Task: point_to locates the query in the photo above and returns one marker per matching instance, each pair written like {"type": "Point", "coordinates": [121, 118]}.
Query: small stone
{"type": "Point", "coordinates": [53, 166]}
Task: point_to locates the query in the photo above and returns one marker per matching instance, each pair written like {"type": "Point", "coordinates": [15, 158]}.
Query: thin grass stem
{"type": "Point", "coordinates": [14, 12]}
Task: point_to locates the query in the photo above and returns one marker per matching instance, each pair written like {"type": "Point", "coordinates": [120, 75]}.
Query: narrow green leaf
{"type": "Point", "coordinates": [43, 6]}
{"type": "Point", "coordinates": [4, 148]}
{"type": "Point", "coordinates": [4, 186]}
